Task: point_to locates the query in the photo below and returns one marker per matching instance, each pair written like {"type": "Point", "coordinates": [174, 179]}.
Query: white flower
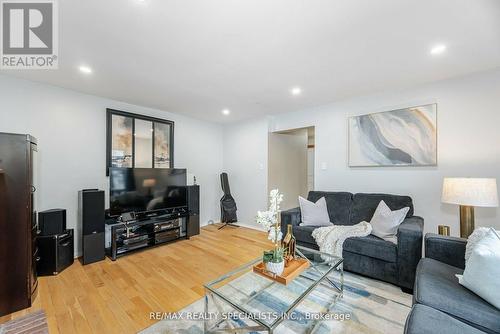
{"type": "Point", "coordinates": [275, 234]}
{"type": "Point", "coordinates": [275, 193]}
{"type": "Point", "coordinates": [268, 219]}
{"type": "Point", "coordinates": [275, 198]}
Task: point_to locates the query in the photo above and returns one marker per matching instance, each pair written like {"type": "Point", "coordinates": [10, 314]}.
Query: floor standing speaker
{"type": "Point", "coordinates": [193, 225]}
{"type": "Point", "coordinates": [91, 216]}
{"type": "Point", "coordinates": [51, 222]}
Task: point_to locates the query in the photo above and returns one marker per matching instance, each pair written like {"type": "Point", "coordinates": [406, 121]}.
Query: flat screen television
{"type": "Point", "coordinates": [146, 189]}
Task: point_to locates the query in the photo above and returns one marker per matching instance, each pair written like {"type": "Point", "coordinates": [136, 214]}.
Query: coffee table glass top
{"type": "Point", "coordinates": [249, 292]}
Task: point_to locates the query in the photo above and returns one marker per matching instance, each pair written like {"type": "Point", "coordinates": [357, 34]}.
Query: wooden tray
{"type": "Point", "coordinates": [292, 270]}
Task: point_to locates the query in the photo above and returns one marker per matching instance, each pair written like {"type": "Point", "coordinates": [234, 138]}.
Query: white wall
{"type": "Point", "coordinates": [71, 132]}
{"type": "Point", "coordinates": [468, 145]}
{"type": "Point", "coordinates": [245, 161]}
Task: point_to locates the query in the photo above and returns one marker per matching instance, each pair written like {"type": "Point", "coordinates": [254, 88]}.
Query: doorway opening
{"type": "Point", "coordinates": [291, 164]}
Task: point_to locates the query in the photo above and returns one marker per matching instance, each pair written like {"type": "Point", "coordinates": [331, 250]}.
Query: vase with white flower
{"type": "Point", "coordinates": [273, 259]}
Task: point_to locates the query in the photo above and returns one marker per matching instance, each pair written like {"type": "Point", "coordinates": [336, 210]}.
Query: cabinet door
{"type": "Point", "coordinates": [33, 182]}
{"type": "Point", "coordinates": [33, 206]}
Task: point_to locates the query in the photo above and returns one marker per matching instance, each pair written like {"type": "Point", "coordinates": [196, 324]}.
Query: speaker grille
{"type": "Point", "coordinates": [194, 199]}
{"type": "Point", "coordinates": [92, 211]}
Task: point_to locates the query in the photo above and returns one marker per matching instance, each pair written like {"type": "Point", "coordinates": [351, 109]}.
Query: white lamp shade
{"type": "Point", "coordinates": [470, 191]}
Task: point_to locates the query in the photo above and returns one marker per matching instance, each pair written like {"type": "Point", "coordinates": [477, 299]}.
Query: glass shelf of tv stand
{"type": "Point", "coordinates": [115, 230]}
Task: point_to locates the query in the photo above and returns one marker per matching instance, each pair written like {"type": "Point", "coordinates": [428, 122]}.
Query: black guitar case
{"type": "Point", "coordinates": [227, 203]}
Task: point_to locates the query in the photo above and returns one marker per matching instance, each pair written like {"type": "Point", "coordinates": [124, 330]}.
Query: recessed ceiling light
{"type": "Point", "coordinates": [85, 69]}
{"type": "Point", "coordinates": [296, 91]}
{"type": "Point", "coordinates": [438, 49]}
{"type": "Point", "coordinates": [226, 112]}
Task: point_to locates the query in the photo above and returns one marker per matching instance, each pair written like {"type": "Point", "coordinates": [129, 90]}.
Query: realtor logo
{"type": "Point", "coordinates": [29, 34]}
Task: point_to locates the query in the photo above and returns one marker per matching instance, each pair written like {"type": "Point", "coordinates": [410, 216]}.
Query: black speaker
{"type": "Point", "coordinates": [55, 253]}
{"type": "Point", "coordinates": [52, 222]}
{"type": "Point", "coordinates": [193, 223]}
{"type": "Point", "coordinates": [91, 216]}
{"type": "Point", "coordinates": [194, 199]}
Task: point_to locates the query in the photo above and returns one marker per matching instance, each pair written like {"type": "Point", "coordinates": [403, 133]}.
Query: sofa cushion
{"type": "Point", "coordinates": [482, 271]}
{"type": "Point", "coordinates": [385, 222]}
{"type": "Point", "coordinates": [372, 246]}
{"type": "Point", "coordinates": [364, 205]}
{"type": "Point", "coordinates": [425, 320]}
{"type": "Point", "coordinates": [314, 213]}
{"type": "Point", "coordinates": [338, 204]}
{"type": "Point", "coordinates": [371, 267]}
{"type": "Point", "coordinates": [303, 233]}
{"type": "Point", "coordinates": [436, 286]}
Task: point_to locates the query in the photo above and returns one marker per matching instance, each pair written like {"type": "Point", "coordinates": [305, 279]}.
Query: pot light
{"type": "Point", "coordinates": [85, 69]}
{"type": "Point", "coordinates": [296, 91]}
{"type": "Point", "coordinates": [438, 49]}
{"type": "Point", "coordinates": [226, 112]}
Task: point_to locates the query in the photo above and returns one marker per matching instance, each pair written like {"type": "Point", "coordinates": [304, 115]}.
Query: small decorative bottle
{"type": "Point", "coordinates": [289, 243]}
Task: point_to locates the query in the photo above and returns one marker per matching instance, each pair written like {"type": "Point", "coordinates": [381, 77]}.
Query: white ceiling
{"type": "Point", "coordinates": [197, 57]}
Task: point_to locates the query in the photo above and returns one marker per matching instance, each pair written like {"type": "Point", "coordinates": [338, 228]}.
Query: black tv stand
{"type": "Point", "coordinates": [154, 228]}
{"type": "Point", "coordinates": [124, 238]}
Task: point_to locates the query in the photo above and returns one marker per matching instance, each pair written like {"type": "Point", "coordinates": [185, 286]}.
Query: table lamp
{"type": "Point", "coordinates": [468, 193]}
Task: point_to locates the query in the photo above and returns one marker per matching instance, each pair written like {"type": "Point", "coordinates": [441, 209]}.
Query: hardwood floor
{"type": "Point", "coordinates": [117, 297]}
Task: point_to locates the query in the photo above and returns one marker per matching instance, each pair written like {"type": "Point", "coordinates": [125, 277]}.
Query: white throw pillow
{"type": "Point", "coordinates": [482, 271]}
{"type": "Point", "coordinates": [473, 239]}
{"type": "Point", "coordinates": [385, 222]}
{"type": "Point", "coordinates": [314, 214]}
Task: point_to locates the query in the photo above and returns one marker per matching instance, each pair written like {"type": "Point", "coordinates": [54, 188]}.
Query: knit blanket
{"type": "Point", "coordinates": [330, 239]}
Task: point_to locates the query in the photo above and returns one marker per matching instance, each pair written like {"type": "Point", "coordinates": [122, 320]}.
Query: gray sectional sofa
{"type": "Point", "coordinates": [440, 303]}
{"type": "Point", "coordinates": [369, 256]}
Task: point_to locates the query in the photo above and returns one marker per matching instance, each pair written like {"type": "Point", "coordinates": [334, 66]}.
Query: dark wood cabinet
{"type": "Point", "coordinates": [18, 252]}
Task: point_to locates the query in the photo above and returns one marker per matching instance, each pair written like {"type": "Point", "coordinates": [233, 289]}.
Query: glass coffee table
{"type": "Point", "coordinates": [242, 301]}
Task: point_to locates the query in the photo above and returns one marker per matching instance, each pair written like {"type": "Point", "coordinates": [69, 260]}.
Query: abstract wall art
{"type": "Point", "coordinates": [403, 137]}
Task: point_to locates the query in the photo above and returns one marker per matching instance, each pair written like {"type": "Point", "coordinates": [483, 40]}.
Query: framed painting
{"type": "Point", "coordinates": [403, 137]}
{"type": "Point", "coordinates": [138, 141]}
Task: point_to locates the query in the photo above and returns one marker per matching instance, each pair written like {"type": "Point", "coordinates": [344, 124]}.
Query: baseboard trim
{"type": "Point", "coordinates": [251, 226]}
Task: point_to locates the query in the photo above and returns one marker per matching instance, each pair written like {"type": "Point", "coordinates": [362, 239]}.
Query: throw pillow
{"type": "Point", "coordinates": [314, 214]}
{"type": "Point", "coordinates": [483, 269]}
{"type": "Point", "coordinates": [473, 239]}
{"type": "Point", "coordinates": [385, 222]}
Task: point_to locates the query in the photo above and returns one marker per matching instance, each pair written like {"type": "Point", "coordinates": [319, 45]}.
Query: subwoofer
{"type": "Point", "coordinates": [55, 253]}
{"type": "Point", "coordinates": [51, 222]}
{"type": "Point", "coordinates": [91, 216]}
